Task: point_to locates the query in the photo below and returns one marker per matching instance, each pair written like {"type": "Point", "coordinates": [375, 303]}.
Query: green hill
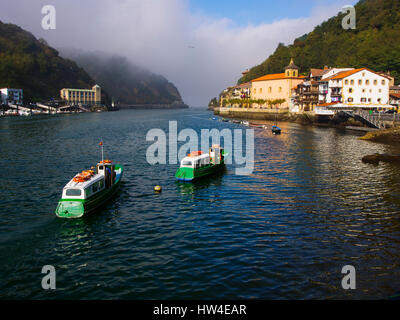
{"type": "Point", "coordinates": [124, 81]}
{"type": "Point", "coordinates": [373, 44]}
{"type": "Point", "coordinates": [35, 67]}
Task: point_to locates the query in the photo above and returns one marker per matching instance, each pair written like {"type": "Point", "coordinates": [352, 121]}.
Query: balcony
{"type": "Point", "coordinates": [336, 93]}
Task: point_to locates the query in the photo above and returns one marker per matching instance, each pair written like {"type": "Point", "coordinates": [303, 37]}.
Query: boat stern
{"type": "Point", "coordinates": [70, 209]}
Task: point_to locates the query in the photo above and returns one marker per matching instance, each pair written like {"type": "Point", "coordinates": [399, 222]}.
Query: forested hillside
{"type": "Point", "coordinates": [35, 67]}
{"type": "Point", "coordinates": [375, 43]}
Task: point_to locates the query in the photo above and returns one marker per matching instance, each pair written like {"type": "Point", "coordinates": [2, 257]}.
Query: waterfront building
{"type": "Point", "coordinates": [389, 76]}
{"type": "Point", "coordinates": [306, 95]}
{"type": "Point", "coordinates": [323, 87]}
{"type": "Point", "coordinates": [277, 86]}
{"type": "Point", "coordinates": [394, 100]}
{"type": "Point", "coordinates": [394, 89]}
{"type": "Point", "coordinates": [82, 96]}
{"type": "Point", "coordinates": [358, 86]}
{"type": "Point", "coordinates": [242, 91]}
{"type": "Point", "coordinates": [13, 96]}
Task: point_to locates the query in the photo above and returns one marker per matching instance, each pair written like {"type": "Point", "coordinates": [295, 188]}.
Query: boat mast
{"type": "Point", "coordinates": [102, 150]}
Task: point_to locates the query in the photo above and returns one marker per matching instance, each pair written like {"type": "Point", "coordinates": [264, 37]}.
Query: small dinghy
{"type": "Point", "coordinates": [276, 130]}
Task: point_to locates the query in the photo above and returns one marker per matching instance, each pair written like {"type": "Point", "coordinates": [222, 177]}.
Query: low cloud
{"type": "Point", "coordinates": [199, 54]}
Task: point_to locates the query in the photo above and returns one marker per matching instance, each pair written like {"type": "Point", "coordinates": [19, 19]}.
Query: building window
{"type": "Point", "coordinates": [363, 90]}
{"type": "Point", "coordinates": [294, 73]}
{"type": "Point", "coordinates": [379, 100]}
{"type": "Point", "coordinates": [280, 89]}
{"type": "Point", "coordinates": [369, 99]}
{"type": "Point", "coordinates": [350, 90]}
{"type": "Point", "coordinates": [363, 99]}
{"type": "Point", "coordinates": [383, 82]}
{"type": "Point", "coordinates": [367, 82]}
{"type": "Point", "coordinates": [363, 74]}
{"type": "Point", "coordinates": [260, 90]}
{"type": "Point", "coordinates": [375, 82]}
{"type": "Point", "coordinates": [380, 90]}
{"type": "Point", "coordinates": [269, 89]}
{"type": "Point", "coordinates": [288, 73]}
{"type": "Point", "coordinates": [352, 82]}
{"type": "Point", "coordinates": [360, 82]}
{"type": "Point", "coordinates": [346, 82]}
{"type": "Point", "coordinates": [350, 99]}
{"type": "Point", "coordinates": [255, 91]}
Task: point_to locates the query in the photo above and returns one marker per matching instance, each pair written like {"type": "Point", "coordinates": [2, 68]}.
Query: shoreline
{"type": "Point", "coordinates": [388, 136]}
{"type": "Point", "coordinates": [306, 118]}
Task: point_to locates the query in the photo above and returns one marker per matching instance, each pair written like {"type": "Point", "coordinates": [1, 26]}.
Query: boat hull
{"type": "Point", "coordinates": [76, 208]}
{"type": "Point", "coordinates": [189, 174]}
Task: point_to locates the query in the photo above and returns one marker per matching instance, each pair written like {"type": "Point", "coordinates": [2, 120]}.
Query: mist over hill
{"type": "Point", "coordinates": [124, 81]}
{"type": "Point", "coordinates": [34, 66]}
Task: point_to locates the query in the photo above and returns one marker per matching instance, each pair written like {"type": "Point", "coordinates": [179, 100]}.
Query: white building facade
{"type": "Point", "coordinates": [358, 87]}
{"type": "Point", "coordinates": [13, 96]}
{"type": "Point", "coordinates": [324, 83]}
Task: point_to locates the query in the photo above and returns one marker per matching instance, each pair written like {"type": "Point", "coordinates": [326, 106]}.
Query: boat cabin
{"type": "Point", "coordinates": [216, 154]}
{"type": "Point", "coordinates": [196, 162]}
{"type": "Point", "coordinates": [84, 190]}
{"type": "Point", "coordinates": [107, 169]}
{"type": "Point", "coordinates": [198, 159]}
{"type": "Point", "coordinates": [89, 183]}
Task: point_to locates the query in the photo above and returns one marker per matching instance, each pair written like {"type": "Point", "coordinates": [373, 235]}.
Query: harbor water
{"type": "Point", "coordinates": [309, 208]}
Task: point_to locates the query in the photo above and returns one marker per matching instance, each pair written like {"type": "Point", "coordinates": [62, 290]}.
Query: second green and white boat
{"type": "Point", "coordinates": [198, 164]}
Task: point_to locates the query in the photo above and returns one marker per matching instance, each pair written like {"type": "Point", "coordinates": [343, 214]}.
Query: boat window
{"type": "Point", "coordinates": [73, 192]}
{"type": "Point", "coordinates": [187, 163]}
{"type": "Point", "coordinates": [95, 187]}
{"type": "Point", "coordinates": [101, 184]}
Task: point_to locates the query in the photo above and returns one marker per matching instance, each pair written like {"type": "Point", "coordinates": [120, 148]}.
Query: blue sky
{"type": "Point", "coordinates": [259, 11]}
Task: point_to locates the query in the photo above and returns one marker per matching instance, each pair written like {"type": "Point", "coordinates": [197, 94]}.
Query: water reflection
{"type": "Point", "coordinates": [192, 188]}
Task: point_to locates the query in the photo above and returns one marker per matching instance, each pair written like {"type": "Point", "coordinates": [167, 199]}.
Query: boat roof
{"type": "Point", "coordinates": [83, 185]}
{"type": "Point", "coordinates": [203, 156]}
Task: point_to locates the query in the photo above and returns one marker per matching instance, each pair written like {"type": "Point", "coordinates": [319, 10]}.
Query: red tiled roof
{"type": "Point", "coordinates": [317, 72]}
{"type": "Point", "coordinates": [276, 76]}
{"type": "Point", "coordinates": [345, 74]}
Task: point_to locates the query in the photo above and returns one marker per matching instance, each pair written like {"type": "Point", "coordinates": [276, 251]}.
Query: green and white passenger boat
{"type": "Point", "coordinates": [89, 190]}
{"type": "Point", "coordinates": [198, 164]}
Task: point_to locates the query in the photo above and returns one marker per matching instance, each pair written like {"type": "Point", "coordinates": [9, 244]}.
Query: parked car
{"type": "Point", "coordinates": [390, 111]}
